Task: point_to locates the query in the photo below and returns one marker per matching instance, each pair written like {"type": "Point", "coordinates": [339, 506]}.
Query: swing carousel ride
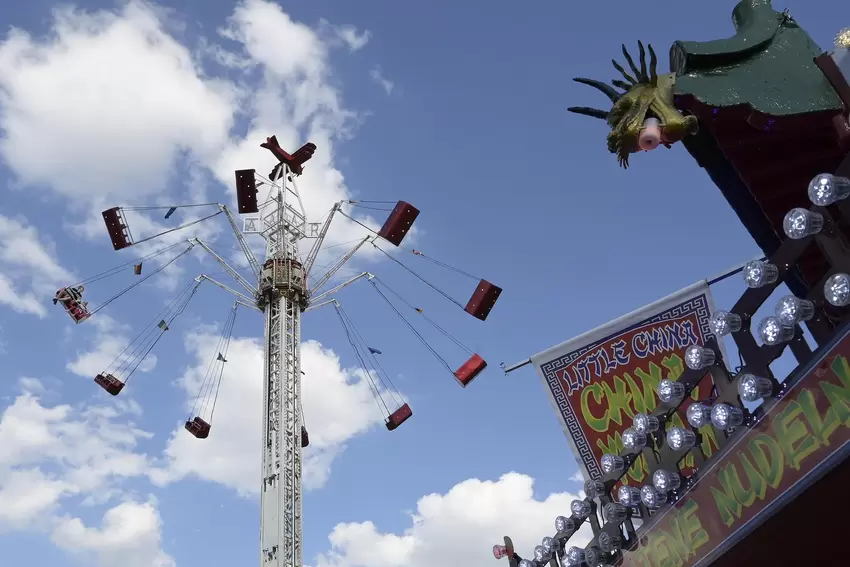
{"type": "Point", "coordinates": [288, 283]}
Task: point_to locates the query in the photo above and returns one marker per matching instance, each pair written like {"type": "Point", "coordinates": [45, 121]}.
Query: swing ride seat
{"type": "Point", "coordinates": [483, 300]}
{"type": "Point", "coordinates": [305, 438]}
{"type": "Point", "coordinates": [109, 383]}
{"type": "Point", "coordinates": [294, 161]}
{"type": "Point", "coordinates": [246, 191]}
{"type": "Point", "coordinates": [398, 223]}
{"type": "Point", "coordinates": [76, 311]}
{"type": "Point", "coordinates": [470, 369]}
{"type": "Point", "coordinates": [117, 228]}
{"type": "Point", "coordinates": [198, 427]}
{"type": "Point", "coordinates": [74, 307]}
{"type": "Point", "coordinates": [399, 416]}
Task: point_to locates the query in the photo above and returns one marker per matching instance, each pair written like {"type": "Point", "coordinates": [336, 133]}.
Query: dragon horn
{"type": "Point", "coordinates": [622, 84]}
{"type": "Point", "coordinates": [592, 112]}
{"type": "Point", "coordinates": [643, 75]}
{"type": "Point", "coordinates": [630, 61]}
{"type": "Point", "coordinates": [622, 71]}
{"type": "Point", "coordinates": [653, 65]}
{"type": "Point", "coordinates": [599, 85]}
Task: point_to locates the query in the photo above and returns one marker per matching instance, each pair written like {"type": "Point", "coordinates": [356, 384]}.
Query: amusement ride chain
{"type": "Point", "coordinates": [284, 290]}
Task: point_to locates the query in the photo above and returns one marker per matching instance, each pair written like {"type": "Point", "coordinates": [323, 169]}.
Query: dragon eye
{"type": "Point", "coordinates": [650, 134]}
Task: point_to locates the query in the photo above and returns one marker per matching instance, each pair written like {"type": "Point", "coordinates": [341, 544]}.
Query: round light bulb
{"type": "Point", "coordinates": [628, 495]}
{"type": "Point", "coordinates": [526, 563]}
{"type": "Point", "coordinates": [591, 557]}
{"type": "Point", "coordinates": [609, 543]}
{"type": "Point", "coordinates": [671, 393]}
{"type": "Point", "coordinates": [791, 310]}
{"type": "Point", "coordinates": [547, 544]}
{"type": "Point", "coordinates": [800, 223]}
{"type": "Point", "coordinates": [575, 556]}
{"type": "Point", "coordinates": [697, 357]}
{"type": "Point", "coordinates": [644, 424]}
{"type": "Point", "coordinates": [580, 508]}
{"type": "Point", "coordinates": [724, 416]}
{"type": "Point", "coordinates": [594, 488]}
{"type": "Point", "coordinates": [633, 441]}
{"type": "Point", "coordinates": [698, 415]}
{"type": "Point", "coordinates": [773, 332]}
{"type": "Point", "coordinates": [826, 189]}
{"type": "Point", "coordinates": [723, 323]}
{"type": "Point", "coordinates": [679, 438]}
{"type": "Point", "coordinates": [615, 512]}
{"type": "Point", "coordinates": [758, 273]}
{"type": "Point", "coordinates": [612, 463]}
{"type": "Point", "coordinates": [752, 388]}
{"type": "Point", "coordinates": [540, 554]}
{"type": "Point", "coordinates": [666, 481]}
{"type": "Point", "coordinates": [836, 290]}
{"type": "Point", "coordinates": [651, 497]}
{"type": "Point", "coordinates": [565, 525]}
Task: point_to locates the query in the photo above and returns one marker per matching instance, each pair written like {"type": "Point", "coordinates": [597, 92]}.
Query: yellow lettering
{"type": "Point", "coordinates": [727, 505]}
{"type": "Point", "coordinates": [662, 552]}
{"type": "Point", "coordinates": [674, 365]}
{"type": "Point", "coordinates": [769, 458]}
{"type": "Point", "coordinates": [709, 440]}
{"type": "Point", "coordinates": [793, 437]}
{"type": "Point", "coordinates": [599, 424]}
{"type": "Point", "coordinates": [644, 399]}
{"type": "Point", "coordinates": [618, 400]}
{"type": "Point", "coordinates": [650, 382]}
{"type": "Point", "coordinates": [678, 542]}
{"type": "Point", "coordinates": [696, 534]}
{"type": "Point", "coordinates": [839, 396]}
{"type": "Point", "coordinates": [758, 486]}
{"type": "Point", "coordinates": [822, 426]}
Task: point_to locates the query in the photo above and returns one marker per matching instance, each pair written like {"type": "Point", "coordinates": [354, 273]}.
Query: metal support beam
{"type": "Point", "coordinates": [248, 302]}
{"type": "Point", "coordinates": [227, 268]}
{"type": "Point", "coordinates": [344, 284]}
{"type": "Point", "coordinates": [252, 261]}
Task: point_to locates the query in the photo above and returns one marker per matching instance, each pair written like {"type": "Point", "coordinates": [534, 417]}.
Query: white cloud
{"type": "Point", "coordinates": [29, 275]}
{"type": "Point", "coordinates": [48, 454]}
{"type": "Point", "coordinates": [348, 35]}
{"type": "Point", "coordinates": [377, 75]}
{"type": "Point", "coordinates": [130, 536]}
{"type": "Point", "coordinates": [460, 526]}
{"type": "Point", "coordinates": [142, 127]}
{"type": "Point", "coordinates": [31, 385]}
{"type": "Point", "coordinates": [577, 477]}
{"type": "Point", "coordinates": [338, 405]}
{"type": "Point", "coordinates": [76, 115]}
{"type": "Point", "coordinates": [26, 496]}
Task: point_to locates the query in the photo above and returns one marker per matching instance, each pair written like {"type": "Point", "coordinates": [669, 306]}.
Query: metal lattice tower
{"type": "Point", "coordinates": [283, 298]}
{"type": "Point", "coordinates": [283, 295]}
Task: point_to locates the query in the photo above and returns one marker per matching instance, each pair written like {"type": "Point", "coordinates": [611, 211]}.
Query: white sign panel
{"type": "Point", "coordinates": [251, 225]}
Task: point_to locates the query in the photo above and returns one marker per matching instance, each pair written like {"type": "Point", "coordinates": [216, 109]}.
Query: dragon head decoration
{"type": "Point", "coordinates": [643, 115]}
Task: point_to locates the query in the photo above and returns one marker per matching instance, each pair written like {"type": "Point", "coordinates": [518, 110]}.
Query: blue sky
{"type": "Point", "coordinates": [457, 109]}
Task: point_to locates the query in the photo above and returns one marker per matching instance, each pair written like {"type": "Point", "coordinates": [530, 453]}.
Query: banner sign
{"type": "Point", "coordinates": [802, 435]}
{"type": "Point", "coordinates": [598, 381]}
